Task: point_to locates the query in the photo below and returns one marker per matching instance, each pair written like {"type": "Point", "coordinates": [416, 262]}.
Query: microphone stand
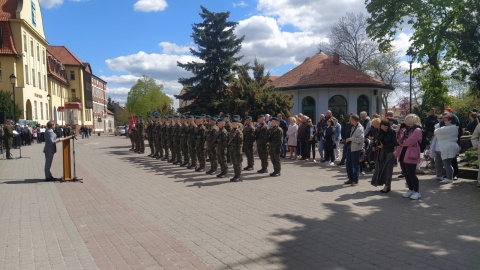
{"type": "Point", "coordinates": [75, 178]}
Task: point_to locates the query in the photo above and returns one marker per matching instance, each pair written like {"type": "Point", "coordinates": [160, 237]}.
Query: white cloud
{"type": "Point", "coordinates": [240, 4]}
{"type": "Point", "coordinates": [307, 15]}
{"type": "Point", "coordinates": [150, 5]}
{"type": "Point", "coordinates": [169, 47]}
{"type": "Point", "coordinates": [265, 41]}
{"type": "Point", "coordinates": [50, 3]}
{"type": "Point", "coordinates": [402, 43]}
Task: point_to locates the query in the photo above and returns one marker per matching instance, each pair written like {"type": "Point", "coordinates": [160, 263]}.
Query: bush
{"type": "Point", "coordinates": [471, 158]}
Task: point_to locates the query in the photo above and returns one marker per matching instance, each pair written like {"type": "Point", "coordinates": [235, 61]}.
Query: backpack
{"type": "Point", "coordinates": [425, 142]}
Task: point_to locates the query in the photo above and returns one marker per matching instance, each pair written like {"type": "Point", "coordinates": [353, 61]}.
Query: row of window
{"type": "Point", "coordinates": [32, 51]}
{"type": "Point", "coordinates": [337, 104]}
{"type": "Point", "coordinates": [35, 111]}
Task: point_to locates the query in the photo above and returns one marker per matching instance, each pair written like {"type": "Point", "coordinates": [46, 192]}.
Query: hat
{"type": "Point", "coordinates": [275, 118]}
{"type": "Point", "coordinates": [220, 120]}
{"type": "Point", "coordinates": [191, 116]}
{"type": "Point", "coordinates": [170, 116]}
{"type": "Point", "coordinates": [235, 121]}
{"type": "Point", "coordinates": [198, 117]}
{"type": "Point", "coordinates": [183, 117]}
{"type": "Point", "coordinates": [227, 115]}
{"type": "Point", "coordinates": [448, 109]}
{"type": "Point", "coordinates": [261, 115]}
{"type": "Point", "coordinates": [236, 116]}
{"type": "Point", "coordinates": [248, 117]}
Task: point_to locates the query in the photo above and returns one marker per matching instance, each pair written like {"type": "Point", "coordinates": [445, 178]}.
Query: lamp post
{"type": "Point", "coordinates": [410, 55]}
{"type": "Point", "coordinates": [13, 81]}
{"type": "Point", "coordinates": [49, 107]}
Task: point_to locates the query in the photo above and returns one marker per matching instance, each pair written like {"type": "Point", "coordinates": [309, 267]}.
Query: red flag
{"type": "Point", "coordinates": [132, 122]}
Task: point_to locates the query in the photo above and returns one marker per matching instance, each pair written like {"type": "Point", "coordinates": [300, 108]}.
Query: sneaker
{"type": "Point", "coordinates": [455, 178]}
{"type": "Point", "coordinates": [331, 164]}
{"type": "Point", "coordinates": [363, 173]}
{"type": "Point", "coordinates": [407, 194]}
{"type": "Point", "coordinates": [446, 181]}
{"type": "Point", "coordinates": [415, 196]}
{"type": "Point", "coordinates": [314, 161]}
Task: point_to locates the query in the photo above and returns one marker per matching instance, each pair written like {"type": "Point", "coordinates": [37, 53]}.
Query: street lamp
{"type": "Point", "coordinates": [410, 56]}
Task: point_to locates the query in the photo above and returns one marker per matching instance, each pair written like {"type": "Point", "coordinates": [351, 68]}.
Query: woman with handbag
{"type": "Point", "coordinates": [384, 158]}
{"type": "Point", "coordinates": [447, 137]}
{"type": "Point", "coordinates": [409, 137]}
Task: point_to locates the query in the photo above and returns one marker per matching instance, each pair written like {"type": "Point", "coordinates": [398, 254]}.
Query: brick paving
{"type": "Point", "coordinates": [134, 212]}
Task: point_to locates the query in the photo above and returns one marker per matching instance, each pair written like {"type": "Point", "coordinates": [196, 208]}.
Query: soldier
{"type": "Point", "coordinates": [131, 135]}
{"type": "Point", "coordinates": [221, 147]}
{"type": "Point", "coordinates": [235, 144]}
{"type": "Point", "coordinates": [166, 138]}
{"type": "Point", "coordinates": [212, 153]}
{"type": "Point", "coordinates": [156, 136]}
{"type": "Point", "coordinates": [228, 128]}
{"type": "Point", "coordinates": [200, 144]}
{"type": "Point", "coordinates": [171, 140]}
{"type": "Point", "coordinates": [137, 128]}
{"type": "Point", "coordinates": [8, 137]}
{"type": "Point", "coordinates": [275, 138]}
{"type": "Point", "coordinates": [240, 125]}
{"type": "Point", "coordinates": [192, 141]}
{"type": "Point", "coordinates": [176, 139]}
{"type": "Point", "coordinates": [150, 135]}
{"type": "Point", "coordinates": [261, 138]}
{"type": "Point", "coordinates": [183, 140]}
{"type": "Point", "coordinates": [248, 140]}
{"type": "Point", "coordinates": [141, 135]}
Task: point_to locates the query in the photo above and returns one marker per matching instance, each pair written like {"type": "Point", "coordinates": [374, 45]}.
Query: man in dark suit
{"type": "Point", "coordinates": [8, 136]}
{"type": "Point", "coordinates": [50, 149]}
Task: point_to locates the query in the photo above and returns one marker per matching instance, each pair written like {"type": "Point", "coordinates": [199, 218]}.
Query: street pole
{"type": "Point", "coordinates": [410, 86]}
{"type": "Point", "coordinates": [13, 81]}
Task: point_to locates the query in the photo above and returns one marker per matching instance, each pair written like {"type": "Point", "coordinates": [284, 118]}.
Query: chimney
{"type": "Point", "coordinates": [336, 58]}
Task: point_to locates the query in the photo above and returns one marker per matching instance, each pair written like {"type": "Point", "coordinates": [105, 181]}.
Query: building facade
{"type": "Point", "coordinates": [23, 55]}
{"type": "Point", "coordinates": [99, 99]}
{"type": "Point", "coordinates": [323, 83]}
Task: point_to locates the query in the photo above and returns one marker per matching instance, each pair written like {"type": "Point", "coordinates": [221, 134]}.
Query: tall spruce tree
{"type": "Point", "coordinates": [217, 47]}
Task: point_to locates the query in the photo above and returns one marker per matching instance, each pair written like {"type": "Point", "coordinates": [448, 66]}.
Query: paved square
{"type": "Point", "coordinates": [135, 212]}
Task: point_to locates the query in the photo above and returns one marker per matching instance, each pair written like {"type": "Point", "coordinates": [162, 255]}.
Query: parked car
{"type": "Point", "coordinates": [120, 131]}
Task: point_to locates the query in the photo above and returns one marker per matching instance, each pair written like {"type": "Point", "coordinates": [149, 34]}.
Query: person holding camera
{"type": "Point", "coordinates": [409, 137]}
{"type": "Point", "coordinates": [385, 159]}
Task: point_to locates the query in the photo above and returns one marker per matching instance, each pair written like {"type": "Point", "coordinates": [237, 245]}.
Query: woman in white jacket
{"type": "Point", "coordinates": [447, 138]}
{"type": "Point", "coordinates": [292, 137]}
{"type": "Point", "coordinates": [476, 145]}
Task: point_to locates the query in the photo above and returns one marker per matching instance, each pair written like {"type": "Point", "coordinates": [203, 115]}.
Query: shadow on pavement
{"type": "Point", "coordinates": [27, 181]}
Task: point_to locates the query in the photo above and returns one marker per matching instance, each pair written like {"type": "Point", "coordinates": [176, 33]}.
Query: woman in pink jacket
{"type": "Point", "coordinates": [409, 138]}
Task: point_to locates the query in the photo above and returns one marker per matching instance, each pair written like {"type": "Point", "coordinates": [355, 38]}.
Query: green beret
{"type": "Point", "coordinates": [170, 116]}
{"type": "Point", "coordinates": [235, 121]}
{"type": "Point", "coordinates": [227, 115]}
{"type": "Point", "coordinates": [275, 118]}
{"type": "Point", "coordinates": [220, 120]}
{"type": "Point", "coordinates": [191, 116]}
{"type": "Point", "coordinates": [261, 115]}
{"type": "Point", "coordinates": [207, 116]}
{"type": "Point", "coordinates": [236, 116]}
{"type": "Point", "coordinates": [198, 117]}
{"type": "Point", "coordinates": [156, 117]}
{"type": "Point", "coordinates": [248, 117]}
{"type": "Point", "coordinates": [183, 117]}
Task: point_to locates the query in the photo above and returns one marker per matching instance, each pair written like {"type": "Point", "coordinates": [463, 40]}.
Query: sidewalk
{"type": "Point", "coordinates": [135, 212]}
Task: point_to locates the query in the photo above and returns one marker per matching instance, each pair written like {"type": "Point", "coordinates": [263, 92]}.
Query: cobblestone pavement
{"type": "Point", "coordinates": [135, 212]}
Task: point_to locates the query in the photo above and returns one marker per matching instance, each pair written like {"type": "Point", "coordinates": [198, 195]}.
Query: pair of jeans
{"type": "Point", "coordinates": [447, 164]}
{"type": "Point", "coordinates": [344, 153]}
{"type": "Point", "coordinates": [410, 173]}
{"type": "Point", "coordinates": [283, 149]}
{"type": "Point", "coordinates": [320, 148]}
{"type": "Point", "coordinates": [438, 164]}
{"type": "Point", "coordinates": [311, 148]}
{"type": "Point", "coordinates": [353, 166]}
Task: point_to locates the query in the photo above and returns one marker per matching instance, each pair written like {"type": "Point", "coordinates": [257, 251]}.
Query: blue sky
{"type": "Point", "coordinates": [124, 39]}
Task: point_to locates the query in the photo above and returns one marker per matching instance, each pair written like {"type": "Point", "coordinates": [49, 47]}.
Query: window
{"type": "Point", "coordinates": [31, 47]}
{"type": "Point", "coordinates": [39, 80]}
{"type": "Point", "coordinates": [1, 37]}
{"type": "Point", "coordinates": [363, 105]}
{"type": "Point", "coordinates": [26, 75]}
{"type": "Point", "coordinates": [74, 95]}
{"type": "Point", "coordinates": [41, 110]}
{"type": "Point", "coordinates": [25, 47]}
{"type": "Point", "coordinates": [33, 77]}
{"type": "Point", "coordinates": [1, 77]}
{"type": "Point", "coordinates": [35, 109]}
{"type": "Point", "coordinates": [72, 75]}
{"type": "Point", "coordinates": [43, 56]}
{"type": "Point", "coordinates": [38, 53]}
{"type": "Point", "coordinates": [308, 107]}
{"type": "Point", "coordinates": [45, 81]}
{"type": "Point", "coordinates": [47, 111]}
{"type": "Point", "coordinates": [338, 105]}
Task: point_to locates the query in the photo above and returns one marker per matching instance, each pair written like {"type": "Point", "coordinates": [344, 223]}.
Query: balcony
{"type": "Point", "coordinates": [73, 100]}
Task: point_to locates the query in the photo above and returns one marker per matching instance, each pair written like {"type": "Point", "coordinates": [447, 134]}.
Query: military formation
{"type": "Point", "coordinates": [191, 141]}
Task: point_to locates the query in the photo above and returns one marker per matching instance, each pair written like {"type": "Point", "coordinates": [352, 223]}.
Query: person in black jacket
{"type": "Point", "coordinates": [284, 126]}
{"type": "Point", "coordinates": [329, 143]}
{"type": "Point", "coordinates": [346, 127]}
{"type": "Point", "coordinates": [429, 123]}
{"type": "Point", "coordinates": [384, 145]}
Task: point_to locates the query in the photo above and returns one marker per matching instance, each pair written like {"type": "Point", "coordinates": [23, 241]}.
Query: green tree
{"type": "Point", "coordinates": [110, 105]}
{"type": "Point", "coordinates": [217, 48]}
{"type": "Point", "coordinates": [432, 21]}
{"type": "Point", "coordinates": [145, 97]}
{"type": "Point", "coordinates": [6, 105]}
{"type": "Point", "coordinates": [252, 96]}
{"type": "Point", "coordinates": [435, 94]}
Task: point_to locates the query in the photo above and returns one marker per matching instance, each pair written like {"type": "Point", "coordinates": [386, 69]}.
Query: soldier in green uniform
{"type": "Point", "coordinates": [137, 132]}
{"type": "Point", "coordinates": [171, 140]}
{"type": "Point", "coordinates": [166, 139]}
{"type": "Point", "coordinates": [275, 138]}
{"type": "Point", "coordinates": [261, 138]}
{"type": "Point", "coordinates": [212, 153]}
{"type": "Point", "coordinates": [8, 137]}
{"type": "Point", "coordinates": [131, 135]}
{"type": "Point", "coordinates": [150, 135]}
{"type": "Point", "coordinates": [192, 141]}
{"type": "Point", "coordinates": [248, 141]}
{"type": "Point", "coordinates": [156, 136]}
{"type": "Point", "coordinates": [221, 147]}
{"type": "Point", "coordinates": [228, 128]}
{"type": "Point", "coordinates": [183, 140]}
{"type": "Point", "coordinates": [141, 135]}
{"type": "Point", "coordinates": [235, 144]}
{"type": "Point", "coordinates": [176, 138]}
{"type": "Point", "coordinates": [200, 144]}
{"type": "Point", "coordinates": [239, 119]}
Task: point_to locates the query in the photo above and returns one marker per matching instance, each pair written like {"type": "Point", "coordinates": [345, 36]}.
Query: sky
{"type": "Point", "coordinates": [125, 39]}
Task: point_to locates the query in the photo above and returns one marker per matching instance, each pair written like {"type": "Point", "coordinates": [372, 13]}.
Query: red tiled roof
{"type": "Point", "coordinates": [8, 9]}
{"type": "Point", "coordinates": [64, 55]}
{"type": "Point", "coordinates": [320, 71]}
{"type": "Point", "coordinates": [273, 78]}
{"type": "Point", "coordinates": [8, 46]}
{"type": "Point", "coordinates": [54, 69]}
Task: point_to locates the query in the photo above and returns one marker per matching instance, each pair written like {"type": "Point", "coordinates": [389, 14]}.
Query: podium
{"type": "Point", "coordinates": [67, 159]}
